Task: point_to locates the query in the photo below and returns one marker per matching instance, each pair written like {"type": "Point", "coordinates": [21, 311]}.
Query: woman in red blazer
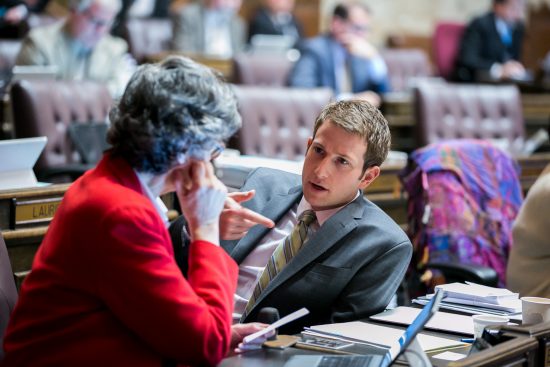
{"type": "Point", "coordinates": [105, 289]}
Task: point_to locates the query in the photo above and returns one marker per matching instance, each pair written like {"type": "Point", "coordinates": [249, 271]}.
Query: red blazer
{"type": "Point", "coordinates": [105, 289]}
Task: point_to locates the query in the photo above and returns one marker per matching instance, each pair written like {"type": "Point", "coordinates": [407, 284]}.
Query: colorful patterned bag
{"type": "Point", "coordinates": [463, 198]}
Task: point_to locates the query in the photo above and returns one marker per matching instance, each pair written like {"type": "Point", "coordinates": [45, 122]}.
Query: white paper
{"type": "Point", "coordinates": [442, 321]}
{"type": "Point", "coordinates": [477, 292]}
{"type": "Point", "coordinates": [380, 335]}
{"type": "Point", "coordinates": [449, 356]}
{"type": "Point", "coordinates": [283, 321]}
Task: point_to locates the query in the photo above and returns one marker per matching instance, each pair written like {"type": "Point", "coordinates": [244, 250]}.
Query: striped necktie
{"type": "Point", "coordinates": [282, 256]}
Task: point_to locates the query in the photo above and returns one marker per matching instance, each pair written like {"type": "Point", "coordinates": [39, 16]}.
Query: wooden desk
{"type": "Point", "coordinates": [398, 109]}
{"type": "Point", "coordinates": [531, 168]}
{"type": "Point", "coordinates": [222, 65]}
{"type": "Point", "coordinates": [518, 351]}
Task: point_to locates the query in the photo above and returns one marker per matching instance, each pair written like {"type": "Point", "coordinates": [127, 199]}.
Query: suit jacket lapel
{"type": "Point", "coordinates": [359, 74]}
{"type": "Point", "coordinates": [329, 70]}
{"type": "Point", "coordinates": [274, 209]}
{"type": "Point", "coordinates": [332, 231]}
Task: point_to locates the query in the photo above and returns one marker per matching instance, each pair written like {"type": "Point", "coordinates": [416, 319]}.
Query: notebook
{"type": "Point", "coordinates": [18, 159]}
{"type": "Point", "coordinates": [391, 355]}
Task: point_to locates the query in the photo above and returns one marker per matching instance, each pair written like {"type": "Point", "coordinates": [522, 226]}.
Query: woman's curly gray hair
{"type": "Point", "coordinates": [168, 109]}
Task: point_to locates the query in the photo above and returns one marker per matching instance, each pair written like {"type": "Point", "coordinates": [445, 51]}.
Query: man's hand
{"type": "Point", "coordinates": [512, 70]}
{"type": "Point", "coordinates": [235, 221]}
{"type": "Point", "coordinates": [359, 46]}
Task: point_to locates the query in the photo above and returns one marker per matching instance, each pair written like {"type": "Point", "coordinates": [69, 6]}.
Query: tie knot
{"type": "Point", "coordinates": [307, 216]}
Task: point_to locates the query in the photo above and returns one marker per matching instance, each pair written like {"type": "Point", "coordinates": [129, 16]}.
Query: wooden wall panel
{"type": "Point", "coordinates": [537, 40]}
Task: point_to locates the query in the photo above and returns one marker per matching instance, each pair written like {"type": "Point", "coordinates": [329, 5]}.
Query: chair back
{"type": "Point", "coordinates": [148, 36]}
{"type": "Point", "coordinates": [89, 139]}
{"type": "Point", "coordinates": [48, 108]}
{"type": "Point", "coordinates": [262, 69]}
{"type": "Point", "coordinates": [454, 111]}
{"type": "Point", "coordinates": [8, 292]}
{"type": "Point", "coordinates": [446, 43]}
{"type": "Point", "coordinates": [404, 66]}
{"type": "Point", "coordinates": [278, 121]}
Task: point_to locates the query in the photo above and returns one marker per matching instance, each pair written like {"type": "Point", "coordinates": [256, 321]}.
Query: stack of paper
{"type": "Point", "coordinates": [382, 336]}
{"type": "Point", "coordinates": [476, 298]}
{"type": "Point", "coordinates": [440, 321]}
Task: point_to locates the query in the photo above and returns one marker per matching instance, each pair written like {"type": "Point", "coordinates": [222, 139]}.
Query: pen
{"type": "Point", "coordinates": [467, 340]}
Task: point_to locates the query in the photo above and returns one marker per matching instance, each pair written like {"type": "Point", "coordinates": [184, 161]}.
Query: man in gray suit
{"type": "Point", "coordinates": [354, 256]}
{"type": "Point", "coordinates": [210, 27]}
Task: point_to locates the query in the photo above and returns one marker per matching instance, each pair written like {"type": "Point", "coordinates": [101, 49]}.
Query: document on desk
{"type": "Point", "coordinates": [441, 321]}
{"type": "Point", "coordinates": [379, 335]}
{"type": "Point", "coordinates": [478, 293]}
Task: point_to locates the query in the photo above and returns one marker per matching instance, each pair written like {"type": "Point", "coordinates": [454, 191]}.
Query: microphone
{"type": "Point", "coordinates": [268, 315]}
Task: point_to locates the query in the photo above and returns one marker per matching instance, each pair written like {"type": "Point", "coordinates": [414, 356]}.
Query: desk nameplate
{"type": "Point", "coordinates": [33, 212]}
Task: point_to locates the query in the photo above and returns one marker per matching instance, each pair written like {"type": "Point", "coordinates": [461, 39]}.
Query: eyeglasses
{"type": "Point", "coordinates": [358, 28]}
{"type": "Point", "coordinates": [198, 153]}
{"type": "Point", "coordinates": [216, 151]}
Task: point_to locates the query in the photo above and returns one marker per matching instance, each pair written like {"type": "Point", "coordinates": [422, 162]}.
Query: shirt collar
{"type": "Point", "coordinates": [322, 215]}
{"type": "Point", "coordinates": [152, 193]}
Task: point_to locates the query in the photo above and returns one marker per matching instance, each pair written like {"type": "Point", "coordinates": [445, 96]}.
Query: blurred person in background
{"type": "Point", "coordinates": [343, 59]}
{"type": "Point", "coordinates": [139, 9]}
{"type": "Point", "coordinates": [80, 46]}
{"type": "Point", "coordinates": [490, 48]}
{"type": "Point", "coordinates": [105, 288]}
{"type": "Point", "coordinates": [14, 14]}
{"type": "Point", "coordinates": [210, 27]}
{"type": "Point", "coordinates": [527, 271]}
{"type": "Point", "coordinates": [275, 17]}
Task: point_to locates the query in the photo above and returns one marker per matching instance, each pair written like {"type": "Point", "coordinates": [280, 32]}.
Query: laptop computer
{"type": "Point", "coordinates": [267, 43]}
{"type": "Point", "coordinates": [18, 159]}
{"type": "Point", "coordinates": [395, 350]}
{"type": "Point", "coordinates": [34, 72]}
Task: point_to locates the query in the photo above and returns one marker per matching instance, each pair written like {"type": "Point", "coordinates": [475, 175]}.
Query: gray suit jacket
{"type": "Point", "coordinates": [349, 269]}
{"type": "Point", "coordinates": [189, 30]}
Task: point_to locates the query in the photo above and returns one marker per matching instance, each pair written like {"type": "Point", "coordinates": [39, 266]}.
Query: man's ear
{"type": "Point", "coordinates": [309, 142]}
{"type": "Point", "coordinates": [370, 175]}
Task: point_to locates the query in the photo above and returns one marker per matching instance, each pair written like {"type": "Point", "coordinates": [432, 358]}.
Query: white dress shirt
{"type": "Point", "coordinates": [153, 193]}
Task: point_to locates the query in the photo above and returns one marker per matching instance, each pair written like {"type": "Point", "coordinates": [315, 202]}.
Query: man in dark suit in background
{"type": "Point", "coordinates": [152, 8]}
{"type": "Point", "coordinates": [343, 59]}
{"type": "Point", "coordinates": [491, 45]}
{"type": "Point", "coordinates": [353, 257]}
{"type": "Point", "coordinates": [275, 18]}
